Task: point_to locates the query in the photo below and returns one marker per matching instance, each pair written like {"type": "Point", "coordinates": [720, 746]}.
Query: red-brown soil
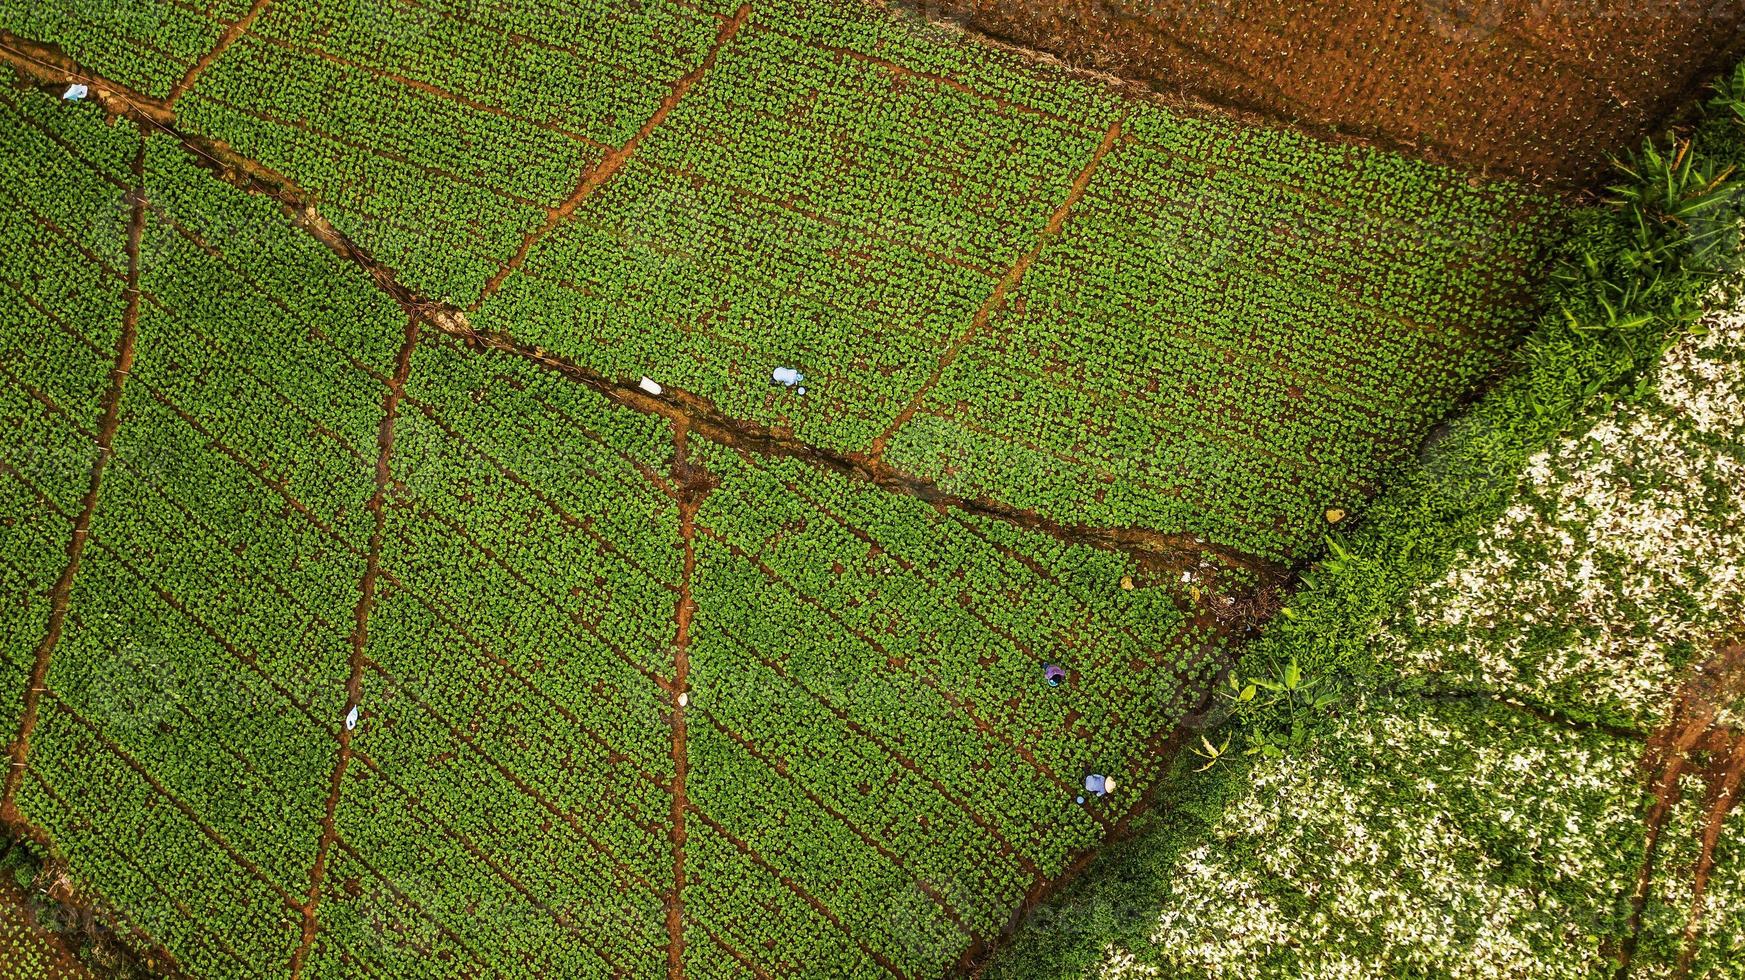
{"type": "Point", "coordinates": [1538, 89]}
{"type": "Point", "coordinates": [1693, 740]}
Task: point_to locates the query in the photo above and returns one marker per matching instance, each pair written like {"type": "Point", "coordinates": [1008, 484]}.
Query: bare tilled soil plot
{"type": "Point", "coordinates": [1539, 89]}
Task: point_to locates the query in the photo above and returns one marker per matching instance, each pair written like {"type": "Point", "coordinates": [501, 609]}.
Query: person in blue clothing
{"type": "Point", "coordinates": [1098, 785]}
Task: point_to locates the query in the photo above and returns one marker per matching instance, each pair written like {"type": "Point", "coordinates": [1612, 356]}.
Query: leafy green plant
{"type": "Point", "coordinates": [1272, 713]}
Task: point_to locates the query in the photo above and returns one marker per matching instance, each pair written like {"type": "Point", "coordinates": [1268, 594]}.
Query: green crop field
{"type": "Point", "coordinates": [411, 569]}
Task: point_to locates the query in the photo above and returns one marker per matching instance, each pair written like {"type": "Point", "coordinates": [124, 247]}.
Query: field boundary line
{"type": "Point", "coordinates": [236, 30]}
{"type": "Point", "coordinates": [1008, 283]}
{"type": "Point", "coordinates": [271, 119]}
{"type": "Point", "coordinates": [615, 158]}
{"type": "Point", "coordinates": [46, 65]}
{"type": "Point", "coordinates": [359, 637]}
{"type": "Point", "coordinates": [61, 595]}
{"type": "Point", "coordinates": [695, 486]}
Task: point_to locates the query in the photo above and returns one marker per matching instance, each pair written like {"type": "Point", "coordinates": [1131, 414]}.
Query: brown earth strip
{"type": "Point", "coordinates": [695, 484]}
{"type": "Point", "coordinates": [615, 159]}
{"type": "Point", "coordinates": [1691, 732]}
{"type": "Point", "coordinates": [1164, 552]}
{"type": "Point", "coordinates": [63, 587]}
{"type": "Point", "coordinates": [1541, 90]}
{"type": "Point", "coordinates": [225, 40]}
{"type": "Point", "coordinates": [1013, 278]}
{"type": "Point", "coordinates": [1723, 794]}
{"type": "Point", "coordinates": [359, 638]}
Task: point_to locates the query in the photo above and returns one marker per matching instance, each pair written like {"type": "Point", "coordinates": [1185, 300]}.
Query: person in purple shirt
{"type": "Point", "coordinates": [1053, 674]}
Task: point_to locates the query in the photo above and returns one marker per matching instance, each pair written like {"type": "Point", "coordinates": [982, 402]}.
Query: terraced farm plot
{"type": "Point", "coordinates": [523, 730]}
{"type": "Point", "coordinates": [926, 228]}
{"type": "Point", "coordinates": [625, 697]}
{"type": "Point", "coordinates": [1300, 311]}
{"type": "Point", "coordinates": [369, 614]}
{"type": "Point", "coordinates": [192, 669]}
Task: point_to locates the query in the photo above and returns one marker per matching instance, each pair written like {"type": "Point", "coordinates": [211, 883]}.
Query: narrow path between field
{"type": "Point", "coordinates": [63, 587]}
{"type": "Point", "coordinates": [359, 640]}
{"type": "Point", "coordinates": [694, 484]}
{"type": "Point", "coordinates": [236, 30]}
{"type": "Point", "coordinates": [1009, 282]}
{"type": "Point", "coordinates": [614, 160]}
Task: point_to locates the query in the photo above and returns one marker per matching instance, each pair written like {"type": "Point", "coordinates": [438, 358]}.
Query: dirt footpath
{"type": "Point", "coordinates": [1538, 89]}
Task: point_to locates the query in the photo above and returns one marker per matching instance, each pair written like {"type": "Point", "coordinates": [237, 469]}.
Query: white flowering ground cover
{"type": "Point", "coordinates": [1424, 838]}
{"type": "Point", "coordinates": [1494, 822]}
{"type": "Point", "coordinates": [1717, 930]}
{"type": "Point", "coordinates": [1619, 563]}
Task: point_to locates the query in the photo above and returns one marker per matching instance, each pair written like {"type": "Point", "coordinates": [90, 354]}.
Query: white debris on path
{"type": "Point", "coordinates": [650, 385]}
